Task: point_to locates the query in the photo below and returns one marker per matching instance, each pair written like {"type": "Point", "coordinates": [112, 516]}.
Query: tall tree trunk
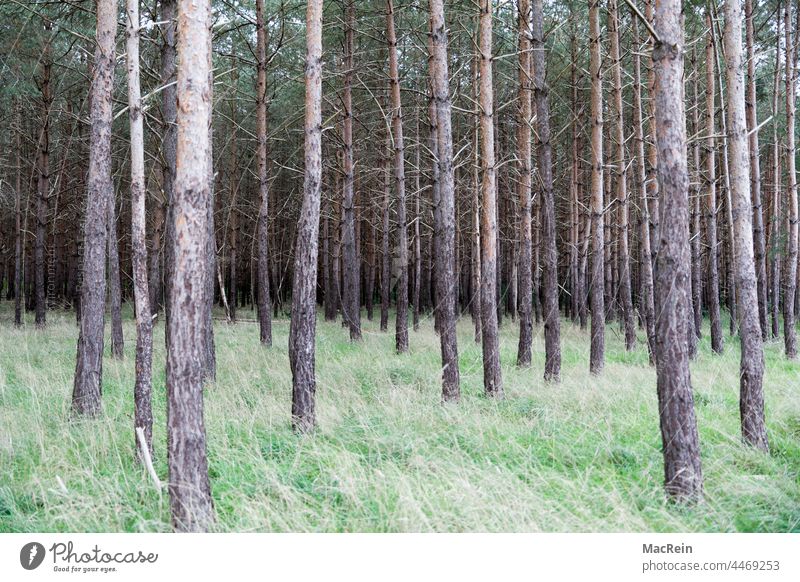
{"type": "Point", "coordinates": [189, 487]}
{"type": "Point", "coordinates": [302, 329]}
{"type": "Point", "coordinates": [755, 172]}
{"type": "Point", "coordinates": [114, 283]}
{"type": "Point", "coordinates": [86, 393]}
{"type": "Point", "coordinates": [417, 240]}
{"type": "Point", "coordinates": [717, 341]}
{"type": "Point", "coordinates": [492, 379]}
{"type": "Point", "coordinates": [43, 197]}
{"type": "Point", "coordinates": [475, 211]}
{"type": "Point", "coordinates": [143, 413]}
{"type": "Point", "coordinates": [751, 395]}
{"type": "Point", "coordinates": [351, 305]}
{"type": "Point", "coordinates": [790, 271]}
{"type": "Point", "coordinates": [646, 261]}
{"type": "Point", "coordinates": [775, 244]}
{"type": "Point", "coordinates": [445, 285]}
{"type": "Point", "coordinates": [525, 119]}
{"type": "Point", "coordinates": [264, 300]}
{"type": "Point", "coordinates": [621, 178]}
{"type": "Point", "coordinates": [683, 477]}
{"type": "Point", "coordinates": [169, 134]}
{"type": "Point", "coordinates": [697, 278]}
{"type": "Point", "coordinates": [552, 317]}
{"type": "Point", "coordinates": [597, 355]}
{"type": "Point", "coordinates": [401, 331]}
{"type": "Point", "coordinates": [18, 266]}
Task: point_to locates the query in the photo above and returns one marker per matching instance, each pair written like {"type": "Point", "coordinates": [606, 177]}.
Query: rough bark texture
{"type": "Point", "coordinates": [264, 300]}
{"type": "Point", "coordinates": [717, 341]}
{"type": "Point", "coordinates": [597, 354]}
{"type": "Point", "coordinates": [190, 491]}
{"type": "Point", "coordinates": [351, 305]}
{"type": "Point", "coordinates": [552, 317]}
{"type": "Point", "coordinates": [751, 390]}
{"type": "Point", "coordinates": [401, 327]}
{"type": "Point", "coordinates": [646, 263]}
{"type": "Point", "coordinates": [492, 378]}
{"type": "Point", "coordinates": [621, 178]}
{"type": "Point", "coordinates": [86, 392]}
{"type": "Point", "coordinates": [169, 135]}
{"type": "Point", "coordinates": [775, 246]}
{"type": "Point", "coordinates": [43, 187]}
{"type": "Point", "coordinates": [302, 329]}
{"type": "Point", "coordinates": [18, 267]}
{"type": "Point", "coordinates": [682, 472]}
{"type": "Point", "coordinates": [445, 285]}
{"type": "Point", "coordinates": [114, 283]}
{"type": "Point", "coordinates": [143, 414]}
{"type": "Point", "coordinates": [790, 270]}
{"type": "Point", "coordinates": [759, 244]}
{"type": "Point", "coordinates": [524, 187]}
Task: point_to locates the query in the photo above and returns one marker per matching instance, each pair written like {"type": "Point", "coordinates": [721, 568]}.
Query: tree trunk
{"type": "Point", "coordinates": [492, 379]}
{"type": "Point", "coordinates": [552, 317]}
{"type": "Point", "coordinates": [401, 333]}
{"type": "Point", "coordinates": [86, 393]}
{"type": "Point", "coordinates": [524, 121]}
{"type": "Point", "coordinates": [790, 271]}
{"type": "Point", "coordinates": [264, 300]}
{"type": "Point", "coordinates": [18, 266]}
{"type": "Point", "coordinates": [143, 414]}
{"type": "Point", "coordinates": [775, 244]}
{"type": "Point", "coordinates": [169, 135]}
{"type": "Point", "coordinates": [682, 472]}
{"type": "Point", "coordinates": [302, 328]}
{"type": "Point", "coordinates": [351, 305]}
{"type": "Point", "coordinates": [445, 285]}
{"type": "Point", "coordinates": [717, 341]}
{"type": "Point", "coordinates": [755, 172]}
{"type": "Point", "coordinates": [597, 355]}
{"type": "Point", "coordinates": [114, 283]}
{"type": "Point", "coordinates": [189, 487]}
{"type": "Point", "coordinates": [386, 258]}
{"type": "Point", "coordinates": [621, 177]}
{"type": "Point", "coordinates": [43, 197]}
{"type": "Point", "coordinates": [646, 262]}
{"type": "Point", "coordinates": [417, 240]}
{"type": "Point", "coordinates": [751, 395]}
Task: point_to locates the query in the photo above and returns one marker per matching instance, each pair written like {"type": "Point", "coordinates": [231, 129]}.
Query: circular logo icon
{"type": "Point", "coordinates": [31, 555]}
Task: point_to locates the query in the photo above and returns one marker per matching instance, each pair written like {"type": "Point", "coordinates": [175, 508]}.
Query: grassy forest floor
{"type": "Point", "coordinates": [582, 455]}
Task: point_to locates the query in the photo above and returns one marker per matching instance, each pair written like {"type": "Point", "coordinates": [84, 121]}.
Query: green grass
{"type": "Point", "coordinates": [582, 455]}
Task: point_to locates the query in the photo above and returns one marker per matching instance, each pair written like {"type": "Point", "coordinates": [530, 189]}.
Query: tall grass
{"type": "Point", "coordinates": [582, 455]}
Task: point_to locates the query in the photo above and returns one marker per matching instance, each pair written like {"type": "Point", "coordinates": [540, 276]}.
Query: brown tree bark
{"type": "Point", "coordinates": [143, 414]}
{"type": "Point", "coordinates": [645, 252]}
{"type": "Point", "coordinates": [190, 491]}
{"type": "Point", "coordinates": [597, 354]}
{"type": "Point", "coordinates": [401, 327]}
{"type": "Point", "coordinates": [492, 378]}
{"type": "Point", "coordinates": [621, 179]}
{"type": "Point", "coordinates": [114, 283]}
{"type": "Point", "coordinates": [525, 119]}
{"type": "Point", "coordinates": [775, 265]}
{"type": "Point", "coordinates": [417, 237]}
{"type": "Point", "coordinates": [445, 285]}
{"type": "Point", "coordinates": [43, 185]}
{"type": "Point", "coordinates": [751, 113]}
{"type": "Point", "coordinates": [751, 391]}
{"type": "Point", "coordinates": [682, 472]}
{"type": "Point", "coordinates": [169, 133]}
{"type": "Point", "coordinates": [87, 389]}
{"type": "Point", "coordinates": [790, 270]}
{"type": "Point", "coordinates": [351, 304]}
{"type": "Point", "coordinates": [302, 329]}
{"type": "Point", "coordinates": [264, 299]}
{"type": "Point", "coordinates": [717, 340]}
{"type": "Point", "coordinates": [386, 257]}
{"type": "Point", "coordinates": [18, 266]}
{"type": "Point", "coordinates": [552, 316]}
